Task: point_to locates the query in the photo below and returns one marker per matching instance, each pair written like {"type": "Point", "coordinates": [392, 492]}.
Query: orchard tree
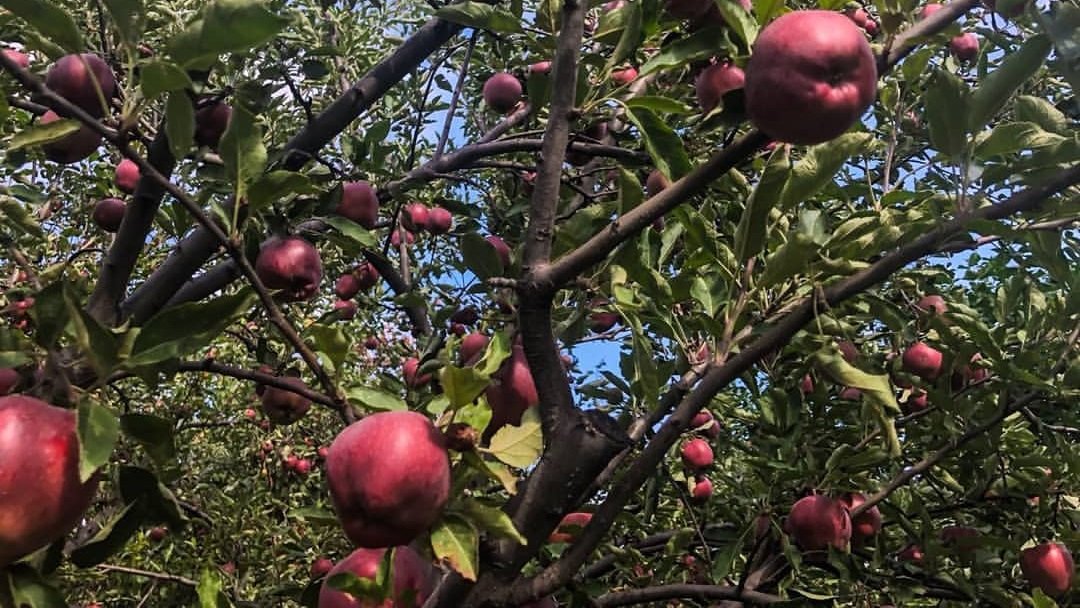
{"type": "Point", "coordinates": [669, 303]}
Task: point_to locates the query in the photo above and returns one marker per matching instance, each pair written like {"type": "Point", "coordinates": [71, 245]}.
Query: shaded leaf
{"type": "Point", "coordinates": [185, 328]}
{"type": "Point", "coordinates": [947, 109]}
{"type": "Point", "coordinates": [998, 86]}
{"type": "Point", "coordinates": [110, 538]}
{"type": "Point", "coordinates": [98, 429]}
{"type": "Point", "coordinates": [664, 146]}
{"type": "Point", "coordinates": [480, 15]}
{"type": "Point", "coordinates": [53, 22]}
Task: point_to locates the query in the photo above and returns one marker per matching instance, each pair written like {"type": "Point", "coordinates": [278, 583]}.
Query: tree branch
{"type": "Point", "coordinates": [684, 591]}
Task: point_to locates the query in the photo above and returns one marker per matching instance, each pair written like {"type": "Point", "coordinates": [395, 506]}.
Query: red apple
{"type": "Point", "coordinates": [411, 579]}
{"type": "Point", "coordinates": [415, 217]}
{"type": "Point", "coordinates": [818, 522]}
{"type": "Point", "coordinates": [347, 286]}
{"type": "Point", "coordinates": [461, 437]}
{"type": "Point", "coordinates": [701, 419]}
{"type": "Point", "coordinates": [868, 523]}
{"type": "Point", "coordinates": [871, 27]}
{"type": "Point", "coordinates": [929, 9]}
{"type": "Point", "coordinates": [916, 402]}
{"type": "Point", "coordinates": [595, 133]}
{"type": "Point", "coordinates": [290, 265]}
{"type": "Point", "coordinates": [810, 77]}
{"type": "Point", "coordinates": [600, 321]}
{"type": "Point", "coordinates": [501, 249]}
{"type": "Point", "coordinates": [702, 489]}
{"type": "Point", "coordinates": [371, 343]}
{"type": "Point", "coordinates": [1049, 567]}
{"type": "Point", "coordinates": [540, 67]}
{"type": "Point", "coordinates": [511, 392]}
{"type": "Point", "coordinates": [458, 329]}
{"type": "Point", "coordinates": [922, 360]}
{"type": "Point", "coordinates": [229, 568]}
{"type": "Point", "coordinates": [465, 316]}
{"type": "Point", "coordinates": [502, 92]}
{"type": "Point", "coordinates": [850, 394]}
{"type": "Point", "coordinates": [848, 350]}
{"type": "Point", "coordinates": [108, 214]}
{"type": "Point", "coordinates": [395, 238]}
{"type": "Point", "coordinates": [366, 275]}
{"type": "Point", "coordinates": [285, 407]}
{"type": "Point", "coordinates": [567, 531]}
{"type": "Point", "coordinates": [359, 203]}
{"type": "Point", "coordinates": [70, 148]}
{"type": "Point", "coordinates": [932, 304]}
{"type": "Point", "coordinates": [346, 309]}
{"type": "Point", "coordinates": [320, 567]}
{"type": "Point", "coordinates": [9, 378]}
{"type": "Point", "coordinates": [39, 476]}
{"type": "Point", "coordinates": [18, 57]}
{"type": "Point", "coordinates": [806, 385]}
{"type": "Point", "coordinates": [716, 81]}
{"type": "Point", "coordinates": [656, 183]}
{"type": "Point", "coordinates": [857, 15]}
{"type": "Point", "coordinates": [440, 221]}
{"type": "Point", "coordinates": [624, 75]}
{"type": "Point", "coordinates": [911, 553]}
{"type": "Point", "coordinates": [157, 534]}
{"type": "Point", "coordinates": [964, 47]}
{"type": "Point", "coordinates": [250, 413]}
{"type": "Point", "coordinates": [127, 176]}
{"type": "Point", "coordinates": [302, 466]}
{"type": "Point", "coordinates": [211, 122]}
{"type": "Point", "coordinates": [389, 478]}
{"type": "Point", "coordinates": [409, 370]}
{"type": "Point", "coordinates": [697, 454]}
{"type": "Point", "coordinates": [78, 78]}
{"type": "Point", "coordinates": [472, 348]}
{"type": "Point", "coordinates": [961, 539]}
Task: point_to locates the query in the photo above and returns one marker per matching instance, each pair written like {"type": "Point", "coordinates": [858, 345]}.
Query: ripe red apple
{"type": "Point", "coordinates": [502, 92]}
{"type": "Point", "coordinates": [595, 132]}
{"type": "Point", "coordinates": [461, 437]}
{"type": "Point", "coordinates": [466, 316]}
{"type": "Point", "coordinates": [1049, 567]}
{"type": "Point", "coordinates": [810, 77]}
{"type": "Point", "coordinates": [973, 374]}
{"type": "Point", "coordinates": [656, 183]}
{"type": "Point", "coordinates": [511, 392]}
{"type": "Point", "coordinates": [285, 407]}
{"type": "Point", "coordinates": [857, 15]}
{"type": "Point", "coordinates": [346, 309]}
{"type": "Point", "coordinates": [911, 553]}
{"type": "Point", "coordinates": [624, 75]}
{"type": "Point", "coordinates": [389, 478]}
{"type": "Point", "coordinates": [359, 203]}
{"type": "Point", "coordinates": [868, 523]}
{"type": "Point", "coordinates": [871, 27]}
{"type": "Point", "coordinates": [157, 534]}
{"type": "Point", "coordinates": [320, 567]}
{"type": "Point", "coordinates": [697, 454]}
{"type": "Point", "coordinates": [702, 489]}
{"type": "Point", "coordinates": [701, 419]}
{"type": "Point", "coordinates": [440, 221]}
{"type": "Point", "coordinates": [77, 79]}
{"type": "Point", "coordinates": [716, 81]}
{"type": "Point", "coordinates": [229, 568]}
{"type": "Point", "coordinates": [70, 148]}
{"type": "Point", "coordinates": [850, 394]}
{"type": "Point", "coordinates": [18, 57]}
{"type": "Point", "coordinates": [916, 402]}
{"type": "Point", "coordinates": [458, 329]}
{"type": "Point", "coordinates": [39, 476]}
{"type": "Point", "coordinates": [567, 531]}
{"type": "Point", "coordinates": [411, 578]}
{"type": "Point", "coordinates": [127, 175]}
{"type": "Point", "coordinates": [211, 122]}
{"type": "Point", "coordinates": [109, 213]}
{"type": "Point", "coordinates": [501, 249]}
{"type": "Point", "coordinates": [290, 265]}
{"type": "Point", "coordinates": [929, 9]}
{"type": "Point", "coordinates": [817, 522]}
{"type": "Point", "coordinates": [848, 351]}
{"type": "Point", "coordinates": [961, 539]}
{"type": "Point", "coordinates": [932, 304]}
{"type": "Point", "coordinates": [347, 286]}
{"type": "Point", "coordinates": [366, 275]}
{"type": "Point", "coordinates": [472, 348]}
{"type": "Point", "coordinates": [964, 47]}
{"type": "Point", "coordinates": [806, 385]}
{"type": "Point", "coordinates": [250, 413]}
{"type": "Point", "coordinates": [540, 67]}
{"type": "Point", "coordinates": [408, 372]}
{"type": "Point", "coordinates": [302, 466]}
{"type": "Point", "coordinates": [395, 238]}
{"type": "Point", "coordinates": [922, 360]}
{"type": "Point", "coordinates": [9, 378]}
{"type": "Point", "coordinates": [322, 452]}
{"type": "Point", "coordinates": [600, 321]}
{"type": "Point", "coordinates": [415, 217]}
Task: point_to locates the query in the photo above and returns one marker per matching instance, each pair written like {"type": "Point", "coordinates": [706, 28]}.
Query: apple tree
{"type": "Point", "coordinates": [448, 304]}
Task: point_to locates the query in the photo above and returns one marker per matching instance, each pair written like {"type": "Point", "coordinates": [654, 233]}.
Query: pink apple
{"type": "Point", "coordinates": [127, 176]}
{"type": "Point", "coordinates": [818, 522]}
{"type": "Point", "coordinates": [359, 203]}
{"type": "Point", "coordinates": [502, 92]}
{"type": "Point", "coordinates": [716, 81]}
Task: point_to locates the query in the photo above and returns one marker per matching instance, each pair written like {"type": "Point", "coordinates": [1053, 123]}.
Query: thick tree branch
{"type": "Point", "coordinates": [684, 592]}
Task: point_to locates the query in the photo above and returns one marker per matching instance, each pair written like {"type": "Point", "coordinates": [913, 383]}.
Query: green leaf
{"type": "Point", "coordinates": [315, 515]}
{"type": "Point", "coordinates": [98, 342]}
{"type": "Point", "coordinates": [492, 520]}
{"type": "Point", "coordinates": [349, 229]}
{"type": "Point", "coordinates": [110, 538]}
{"type": "Point", "coordinates": [699, 45]}
{"type": "Point", "coordinates": [136, 483]}
{"type": "Point", "coordinates": [998, 86]}
{"type": "Point", "coordinates": [277, 186]}
{"type": "Point", "coordinates": [790, 259]}
{"type": "Point", "coordinates": [157, 77]}
{"type": "Point", "coordinates": [53, 22]}
{"type": "Point", "coordinates": [51, 314]}
{"type": "Point", "coordinates": [480, 257]}
{"type": "Point", "coordinates": [98, 430]}
{"type": "Point", "coordinates": [462, 385]}
{"type": "Point", "coordinates": [877, 388]}
{"type": "Point", "coordinates": [242, 150]}
{"type": "Point", "coordinates": [750, 233]}
{"type": "Point", "coordinates": [1061, 25]}
{"type": "Point", "coordinates": [30, 589]}
{"type": "Point", "coordinates": [375, 399]}
{"type": "Point", "coordinates": [455, 541]}
{"type": "Point", "coordinates": [631, 34]}
{"type": "Point", "coordinates": [209, 590]}
{"type": "Point", "coordinates": [155, 435]}
{"type": "Point", "coordinates": [662, 105]}
{"type": "Point", "coordinates": [1041, 112]}
{"type": "Point", "coordinates": [664, 146]}
{"type": "Point", "coordinates": [739, 20]}
{"type": "Point", "coordinates": [481, 16]}
{"type": "Point", "coordinates": [179, 123]}
{"type": "Point", "coordinates": [519, 446]}
{"type": "Point", "coordinates": [331, 341]}
{"type": "Point", "coordinates": [38, 134]}
{"type": "Point", "coordinates": [226, 26]}
{"type": "Point", "coordinates": [1010, 137]}
{"type": "Point", "coordinates": [18, 218]}
{"type": "Point", "coordinates": [128, 17]}
{"type": "Point", "coordinates": [820, 164]}
{"type": "Point", "coordinates": [947, 109]}
{"type": "Point", "coordinates": [186, 328]}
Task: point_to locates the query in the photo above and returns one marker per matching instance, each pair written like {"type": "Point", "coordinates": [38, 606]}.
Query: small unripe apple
{"type": "Point", "coordinates": [964, 47]}
{"type": "Point", "coordinates": [285, 407]}
{"type": "Point", "coordinates": [359, 203]}
{"type": "Point", "coordinates": [411, 579]}
{"type": "Point", "coordinates": [9, 378]}
{"type": "Point", "coordinates": [567, 531]}
{"type": "Point", "coordinates": [656, 183]}
{"type": "Point", "coordinates": [1049, 567]}
{"type": "Point", "coordinates": [409, 371]}
{"type": "Point", "coordinates": [366, 275]}
{"type": "Point", "coordinates": [345, 309]}
{"type": "Point", "coordinates": [922, 360]}
{"type": "Point", "coordinates": [697, 454]}
{"type": "Point", "coordinates": [472, 348]}
{"type": "Point", "coordinates": [502, 92]}
{"type": "Point", "coordinates": [157, 534]}
{"type": "Point", "coordinates": [389, 478]}
{"type": "Point", "coordinates": [347, 286]}
{"type": "Point", "coordinates": [18, 58]}
{"type": "Point", "coordinates": [127, 176]}
{"type": "Point", "coordinates": [211, 122]}
{"type": "Point", "coordinates": [702, 490]}
{"type": "Point", "coordinates": [77, 79]}
{"type": "Point", "coordinates": [624, 76]}
{"type": "Point", "coordinates": [440, 221]}
{"type": "Point", "coordinates": [716, 81]}
{"type": "Point", "coordinates": [320, 567]}
{"type": "Point", "coordinates": [70, 148]}
{"type": "Point", "coordinates": [818, 522]}
{"type": "Point", "coordinates": [290, 265]}
{"type": "Point", "coordinates": [415, 217]}
{"type": "Point", "coordinates": [501, 249]}
{"type": "Point", "coordinates": [108, 214]}
{"type": "Point", "coordinates": [868, 523]}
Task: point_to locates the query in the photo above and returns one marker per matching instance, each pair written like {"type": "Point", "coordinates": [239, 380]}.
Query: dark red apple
{"type": "Point", "coordinates": [624, 76]}
{"type": "Point", "coordinates": [411, 579]}
{"type": "Point", "coordinates": [285, 407]}
{"type": "Point", "coordinates": [440, 221]}
{"type": "Point", "coordinates": [922, 360]}
{"type": "Point", "coordinates": [716, 81]}
{"type": "Point", "coordinates": [501, 249]}
{"type": "Point", "coordinates": [290, 265]}
{"type": "Point", "coordinates": [366, 275]}
{"type": "Point", "coordinates": [461, 437]}
{"type": "Point", "coordinates": [78, 79]}
{"type": "Point", "coordinates": [472, 348]}
{"type": "Point", "coordinates": [502, 92]}
{"type": "Point", "coordinates": [157, 534]}
{"type": "Point", "coordinates": [600, 321]}
{"type": "Point", "coordinates": [806, 385]}
{"type": "Point", "coordinates": [211, 122]}
{"type": "Point", "coordinates": [916, 402]}
{"type": "Point", "coordinates": [568, 529]}
{"type": "Point", "coordinates": [415, 217]}
{"type": "Point", "coordinates": [511, 392]}
{"type": "Point", "coordinates": [656, 183]}
{"type": "Point", "coordinates": [320, 567]}
{"type": "Point", "coordinates": [409, 371]}
{"type": "Point", "coordinates": [818, 522]}
{"type": "Point", "coordinates": [700, 419]}
{"type": "Point", "coordinates": [850, 394]}
{"type": "Point", "coordinates": [810, 77]}
{"type": "Point", "coordinates": [932, 304]}
{"type": "Point", "coordinates": [458, 329]}
{"type": "Point", "coordinates": [466, 316]}
{"type": "Point", "coordinates": [395, 238]}
{"type": "Point", "coordinates": [70, 148]}
{"type": "Point", "coordinates": [347, 286]}
{"type": "Point", "coordinates": [868, 523]}
{"type": "Point", "coordinates": [108, 214]}
{"type": "Point", "coordinates": [359, 203]}
{"type": "Point", "coordinates": [911, 553]}
{"type": "Point", "coordinates": [960, 539]}
{"type": "Point", "coordinates": [127, 176]}
{"type": "Point", "coordinates": [848, 351]}
{"type": "Point", "coordinates": [691, 10]}
{"type": "Point", "coordinates": [540, 67]}
{"type": "Point", "coordinates": [18, 57]}
{"type": "Point", "coordinates": [1049, 567]}
{"type": "Point", "coordinates": [389, 478]}
{"type": "Point", "coordinates": [964, 47]}
{"type": "Point", "coordinates": [9, 378]}
{"type": "Point", "coordinates": [929, 9]}
{"type": "Point", "coordinates": [371, 343]}
{"type": "Point", "coordinates": [596, 132]}
{"type": "Point", "coordinates": [697, 454]}
{"type": "Point", "coordinates": [702, 489]}
{"type": "Point", "coordinates": [345, 309]}
{"type": "Point", "coordinates": [39, 476]}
